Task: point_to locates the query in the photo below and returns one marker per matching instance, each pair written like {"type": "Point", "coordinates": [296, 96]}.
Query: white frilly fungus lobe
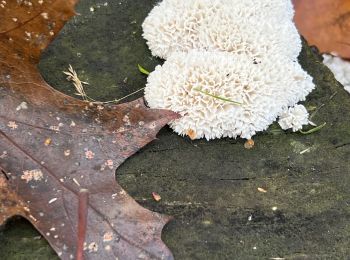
{"type": "Point", "coordinates": [340, 69]}
{"type": "Point", "coordinates": [259, 28]}
{"type": "Point", "coordinates": [264, 91]}
{"type": "Point", "coordinates": [295, 118]}
{"type": "Point", "coordinates": [245, 51]}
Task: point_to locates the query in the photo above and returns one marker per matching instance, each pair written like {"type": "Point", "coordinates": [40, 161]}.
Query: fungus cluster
{"type": "Point", "coordinates": [259, 28]}
{"type": "Point", "coordinates": [231, 66]}
{"type": "Point", "coordinates": [294, 117]}
{"type": "Point", "coordinates": [340, 68]}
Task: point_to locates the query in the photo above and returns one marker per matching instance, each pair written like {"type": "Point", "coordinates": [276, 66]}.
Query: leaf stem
{"type": "Point", "coordinates": [83, 200]}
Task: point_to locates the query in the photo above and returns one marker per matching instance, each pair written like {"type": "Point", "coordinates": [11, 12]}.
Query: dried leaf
{"type": "Point", "coordinates": [156, 196]}
{"type": "Point", "coordinates": [325, 23]}
{"type": "Point", "coordinates": [249, 144]}
{"type": "Point", "coordinates": [191, 134]}
{"type": "Point", "coordinates": [87, 143]}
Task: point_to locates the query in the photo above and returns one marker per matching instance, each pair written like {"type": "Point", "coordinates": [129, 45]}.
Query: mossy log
{"type": "Point", "coordinates": [211, 188]}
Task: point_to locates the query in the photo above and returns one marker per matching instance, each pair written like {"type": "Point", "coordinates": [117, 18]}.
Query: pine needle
{"type": "Point", "coordinates": [143, 70]}
{"type": "Point", "coordinates": [313, 130]}
{"type": "Point", "coordinates": [218, 97]}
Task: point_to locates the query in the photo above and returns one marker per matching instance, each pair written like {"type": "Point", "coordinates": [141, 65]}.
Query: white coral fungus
{"type": "Point", "coordinates": [259, 28]}
{"type": "Point", "coordinates": [264, 91]}
{"type": "Point", "coordinates": [225, 50]}
{"type": "Point", "coordinates": [340, 68]}
{"type": "Point", "coordinates": [294, 118]}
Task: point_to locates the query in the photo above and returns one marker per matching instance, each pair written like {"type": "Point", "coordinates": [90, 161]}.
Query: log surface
{"type": "Point", "coordinates": [211, 188]}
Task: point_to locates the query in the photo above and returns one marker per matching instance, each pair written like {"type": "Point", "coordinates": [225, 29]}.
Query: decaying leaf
{"type": "Point", "coordinates": [249, 144]}
{"type": "Point", "coordinates": [156, 196]}
{"type": "Point", "coordinates": [40, 179]}
{"type": "Point", "coordinates": [325, 23]}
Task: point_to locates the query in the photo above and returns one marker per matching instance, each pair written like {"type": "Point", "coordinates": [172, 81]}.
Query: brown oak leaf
{"type": "Point", "coordinates": [40, 179]}
{"type": "Point", "coordinates": [325, 23]}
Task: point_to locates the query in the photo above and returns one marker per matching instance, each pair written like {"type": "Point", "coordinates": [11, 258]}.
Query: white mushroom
{"type": "Point", "coordinates": [340, 68]}
{"type": "Point", "coordinates": [231, 66]}
{"type": "Point", "coordinates": [187, 82]}
{"type": "Point", "coordinates": [294, 118]}
{"type": "Point", "coordinates": [258, 28]}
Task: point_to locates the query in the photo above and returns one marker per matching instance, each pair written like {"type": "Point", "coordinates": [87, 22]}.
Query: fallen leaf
{"type": "Point", "coordinates": [48, 141]}
{"type": "Point", "coordinates": [156, 196]}
{"type": "Point", "coordinates": [191, 134]}
{"type": "Point", "coordinates": [325, 23]}
{"type": "Point", "coordinates": [42, 182]}
{"type": "Point", "coordinates": [249, 144]}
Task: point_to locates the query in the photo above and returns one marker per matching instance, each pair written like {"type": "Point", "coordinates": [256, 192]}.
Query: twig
{"type": "Point", "coordinates": [333, 95]}
{"type": "Point", "coordinates": [82, 221]}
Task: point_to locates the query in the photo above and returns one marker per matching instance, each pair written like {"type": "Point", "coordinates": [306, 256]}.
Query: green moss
{"type": "Point", "coordinates": [19, 241]}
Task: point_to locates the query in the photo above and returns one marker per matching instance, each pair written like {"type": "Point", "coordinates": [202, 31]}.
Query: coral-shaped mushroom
{"type": "Point", "coordinates": [259, 28]}
{"type": "Point", "coordinates": [221, 94]}
{"type": "Point", "coordinates": [340, 68]}
{"type": "Point", "coordinates": [294, 118]}
{"type": "Point", "coordinates": [231, 66]}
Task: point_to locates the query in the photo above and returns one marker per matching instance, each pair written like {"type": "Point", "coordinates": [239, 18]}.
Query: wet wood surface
{"type": "Point", "coordinates": [212, 188]}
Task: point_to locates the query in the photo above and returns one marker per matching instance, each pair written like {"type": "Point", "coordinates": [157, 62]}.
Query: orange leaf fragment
{"type": "Point", "coordinates": [191, 134]}
{"type": "Point", "coordinates": [156, 196]}
{"type": "Point", "coordinates": [48, 141]}
{"type": "Point", "coordinates": [325, 23]}
{"type": "Point", "coordinates": [249, 144]}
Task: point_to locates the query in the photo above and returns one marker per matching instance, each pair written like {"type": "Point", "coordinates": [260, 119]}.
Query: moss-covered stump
{"type": "Point", "coordinates": [211, 188]}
